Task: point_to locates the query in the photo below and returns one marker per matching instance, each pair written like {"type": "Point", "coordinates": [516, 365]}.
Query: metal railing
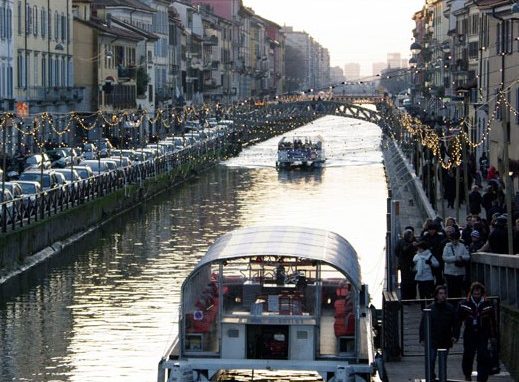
{"type": "Point", "coordinates": [21, 212]}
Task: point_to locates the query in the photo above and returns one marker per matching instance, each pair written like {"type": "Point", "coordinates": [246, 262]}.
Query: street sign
{"type": "Point", "coordinates": [22, 109]}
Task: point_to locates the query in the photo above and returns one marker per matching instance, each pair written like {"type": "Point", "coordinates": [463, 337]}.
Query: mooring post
{"type": "Point", "coordinates": [428, 371]}
{"type": "Point", "coordinates": [442, 365]}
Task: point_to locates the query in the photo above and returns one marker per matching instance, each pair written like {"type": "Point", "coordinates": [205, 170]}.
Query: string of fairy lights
{"type": "Point", "coordinates": [446, 149]}
{"type": "Point", "coordinates": [432, 140]}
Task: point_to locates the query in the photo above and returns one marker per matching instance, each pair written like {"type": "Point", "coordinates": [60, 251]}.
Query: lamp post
{"type": "Point", "coordinates": [505, 127]}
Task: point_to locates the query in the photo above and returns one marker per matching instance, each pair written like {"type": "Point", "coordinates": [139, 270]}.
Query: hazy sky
{"type": "Point", "coordinates": [362, 31]}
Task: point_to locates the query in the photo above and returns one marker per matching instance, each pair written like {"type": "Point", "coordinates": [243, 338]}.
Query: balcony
{"type": "Point", "coordinates": [126, 73]}
{"type": "Point", "coordinates": [53, 94]}
{"type": "Point", "coordinates": [121, 97]}
{"type": "Point", "coordinates": [211, 40]}
{"type": "Point", "coordinates": [210, 83]}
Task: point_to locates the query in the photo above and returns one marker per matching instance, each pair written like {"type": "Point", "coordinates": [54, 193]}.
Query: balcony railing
{"type": "Point", "coordinates": [53, 94]}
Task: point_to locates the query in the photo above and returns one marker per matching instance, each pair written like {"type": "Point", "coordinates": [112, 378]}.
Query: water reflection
{"type": "Point", "coordinates": [301, 175]}
{"type": "Point", "coordinates": [106, 308]}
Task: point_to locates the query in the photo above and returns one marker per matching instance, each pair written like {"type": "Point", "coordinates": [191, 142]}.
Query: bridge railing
{"type": "Point", "coordinates": [499, 273]}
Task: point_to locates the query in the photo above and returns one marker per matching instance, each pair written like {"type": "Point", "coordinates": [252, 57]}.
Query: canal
{"type": "Point", "coordinates": [106, 308]}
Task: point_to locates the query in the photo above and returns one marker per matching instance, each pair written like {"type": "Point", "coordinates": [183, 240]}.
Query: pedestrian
{"type": "Point", "coordinates": [478, 316]}
{"type": "Point", "coordinates": [405, 251]}
{"type": "Point", "coordinates": [498, 237]}
{"type": "Point", "coordinates": [456, 257]}
{"type": "Point", "coordinates": [445, 328]}
{"type": "Point", "coordinates": [475, 200]}
{"type": "Point", "coordinates": [449, 186]}
{"type": "Point", "coordinates": [435, 240]}
{"type": "Point", "coordinates": [424, 262]}
{"type": "Point", "coordinates": [483, 165]}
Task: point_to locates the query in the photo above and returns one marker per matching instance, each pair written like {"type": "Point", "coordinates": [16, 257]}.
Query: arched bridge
{"type": "Point", "coordinates": [339, 107]}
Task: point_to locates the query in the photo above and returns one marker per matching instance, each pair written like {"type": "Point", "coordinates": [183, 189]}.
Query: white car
{"type": "Point", "coordinates": [48, 177]}
{"type": "Point", "coordinates": [98, 167]}
{"type": "Point", "coordinates": [71, 176]}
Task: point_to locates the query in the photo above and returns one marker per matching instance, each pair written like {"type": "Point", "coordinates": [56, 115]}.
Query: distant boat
{"type": "Point", "coordinates": [300, 151]}
{"type": "Point", "coordinates": [273, 298]}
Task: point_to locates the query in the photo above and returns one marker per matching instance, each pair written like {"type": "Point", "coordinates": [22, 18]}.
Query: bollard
{"type": "Point", "coordinates": [442, 364]}
{"type": "Point", "coordinates": [428, 371]}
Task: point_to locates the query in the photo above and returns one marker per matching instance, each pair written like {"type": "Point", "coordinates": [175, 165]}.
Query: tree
{"type": "Point", "coordinates": [142, 81]}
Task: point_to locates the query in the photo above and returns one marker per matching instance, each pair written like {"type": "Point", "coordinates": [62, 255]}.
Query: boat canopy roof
{"type": "Point", "coordinates": [287, 241]}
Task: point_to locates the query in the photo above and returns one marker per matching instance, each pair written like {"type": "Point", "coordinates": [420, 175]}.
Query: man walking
{"type": "Point", "coordinates": [444, 325]}
{"type": "Point", "coordinates": [479, 317]}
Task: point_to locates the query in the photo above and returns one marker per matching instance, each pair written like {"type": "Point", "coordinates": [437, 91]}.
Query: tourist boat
{"type": "Point", "coordinates": [273, 298]}
{"type": "Point", "coordinates": [300, 151]}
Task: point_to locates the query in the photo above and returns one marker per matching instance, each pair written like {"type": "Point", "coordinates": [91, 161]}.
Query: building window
{"type": "Point", "coordinates": [19, 70]}
{"type": "Point", "coordinates": [36, 68]}
{"type": "Point", "coordinates": [35, 21]}
{"type": "Point", "coordinates": [19, 17]}
{"type": "Point", "coordinates": [49, 27]}
{"type": "Point", "coordinates": [28, 20]}
{"type": "Point", "coordinates": [56, 25]}
{"type": "Point", "coordinates": [2, 24]}
{"type": "Point", "coordinates": [63, 28]}
{"type": "Point", "coordinates": [44, 71]}
{"type": "Point", "coordinates": [63, 72]}
{"type": "Point", "coordinates": [9, 23]}
{"type": "Point", "coordinates": [43, 22]}
{"type": "Point", "coordinates": [2, 81]}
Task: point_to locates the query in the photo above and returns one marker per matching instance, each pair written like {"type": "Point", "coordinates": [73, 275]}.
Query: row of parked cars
{"type": "Point", "coordinates": [72, 168]}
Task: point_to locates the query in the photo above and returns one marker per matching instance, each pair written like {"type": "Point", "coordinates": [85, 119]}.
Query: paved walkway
{"type": "Point", "coordinates": [411, 368]}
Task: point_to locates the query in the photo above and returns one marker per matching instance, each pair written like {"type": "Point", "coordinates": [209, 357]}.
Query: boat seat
{"type": "Point", "coordinates": [345, 326]}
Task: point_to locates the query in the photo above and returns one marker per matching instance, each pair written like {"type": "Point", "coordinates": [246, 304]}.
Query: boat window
{"type": "Point", "coordinates": [200, 308]}
{"type": "Point", "coordinates": [269, 286]}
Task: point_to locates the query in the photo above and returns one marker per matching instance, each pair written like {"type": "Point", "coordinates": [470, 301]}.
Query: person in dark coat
{"type": "Point", "coordinates": [475, 201]}
{"type": "Point", "coordinates": [435, 241]}
{"type": "Point", "coordinates": [449, 186]}
{"type": "Point", "coordinates": [445, 328]}
{"type": "Point", "coordinates": [498, 238]}
{"type": "Point", "coordinates": [478, 316]}
{"type": "Point", "coordinates": [405, 251]}
{"type": "Point", "coordinates": [486, 200]}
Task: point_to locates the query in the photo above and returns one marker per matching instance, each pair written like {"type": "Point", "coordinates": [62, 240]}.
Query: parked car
{"type": "Point", "coordinates": [89, 151]}
{"type": "Point", "coordinates": [73, 153]}
{"type": "Point", "coordinates": [86, 173]}
{"type": "Point", "coordinates": [105, 148]}
{"type": "Point", "coordinates": [14, 188]}
{"type": "Point", "coordinates": [6, 197]}
{"type": "Point", "coordinates": [48, 177]}
{"type": "Point", "coordinates": [98, 167]}
{"type": "Point", "coordinates": [59, 158]}
{"type": "Point", "coordinates": [16, 192]}
{"type": "Point", "coordinates": [130, 154]}
{"type": "Point", "coordinates": [37, 161]}
{"type": "Point", "coordinates": [70, 174]}
{"type": "Point", "coordinates": [30, 190]}
{"type": "Point", "coordinates": [61, 180]}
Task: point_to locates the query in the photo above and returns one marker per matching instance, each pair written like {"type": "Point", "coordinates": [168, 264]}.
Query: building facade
{"type": "Point", "coordinates": [6, 55]}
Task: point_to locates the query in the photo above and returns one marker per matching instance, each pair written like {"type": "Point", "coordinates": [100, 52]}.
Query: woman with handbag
{"type": "Point", "coordinates": [424, 263]}
{"type": "Point", "coordinates": [456, 256]}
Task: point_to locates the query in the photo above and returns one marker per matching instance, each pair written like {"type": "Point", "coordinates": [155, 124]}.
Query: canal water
{"type": "Point", "coordinates": [106, 308]}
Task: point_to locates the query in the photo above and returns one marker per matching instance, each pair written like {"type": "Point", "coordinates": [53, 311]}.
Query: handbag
{"type": "Point", "coordinates": [458, 263]}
